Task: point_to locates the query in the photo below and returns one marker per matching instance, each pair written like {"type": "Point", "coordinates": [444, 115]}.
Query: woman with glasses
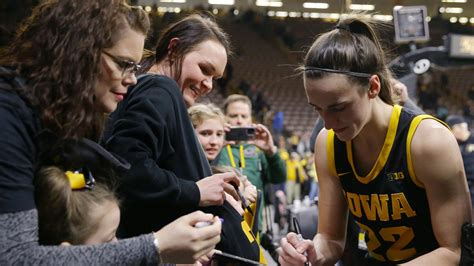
{"type": "Point", "coordinates": [69, 64]}
{"type": "Point", "coordinates": [152, 130]}
{"type": "Point", "coordinates": [399, 174]}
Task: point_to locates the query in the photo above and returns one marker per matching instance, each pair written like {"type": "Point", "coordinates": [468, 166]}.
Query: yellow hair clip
{"type": "Point", "coordinates": [76, 180]}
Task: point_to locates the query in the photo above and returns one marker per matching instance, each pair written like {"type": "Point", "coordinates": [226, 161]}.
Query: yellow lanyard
{"type": "Point", "coordinates": [242, 157]}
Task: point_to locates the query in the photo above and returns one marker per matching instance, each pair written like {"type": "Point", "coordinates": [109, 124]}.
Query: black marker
{"type": "Point", "coordinates": [242, 198]}
{"type": "Point", "coordinates": [241, 195]}
{"type": "Point", "coordinates": [296, 225]}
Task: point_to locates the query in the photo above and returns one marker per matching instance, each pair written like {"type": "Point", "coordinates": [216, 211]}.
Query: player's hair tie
{"type": "Point", "coordinates": [343, 27]}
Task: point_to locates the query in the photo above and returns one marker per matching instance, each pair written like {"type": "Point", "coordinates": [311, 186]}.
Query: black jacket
{"type": "Point", "coordinates": [151, 130]}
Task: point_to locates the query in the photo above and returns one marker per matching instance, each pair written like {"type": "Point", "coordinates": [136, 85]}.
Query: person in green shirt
{"type": "Point", "coordinates": [257, 159]}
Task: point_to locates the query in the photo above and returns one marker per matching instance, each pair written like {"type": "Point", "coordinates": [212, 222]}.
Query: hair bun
{"type": "Point", "coordinates": [357, 26]}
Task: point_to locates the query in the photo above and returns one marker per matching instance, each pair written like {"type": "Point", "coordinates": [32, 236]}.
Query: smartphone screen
{"type": "Point", "coordinates": [240, 133]}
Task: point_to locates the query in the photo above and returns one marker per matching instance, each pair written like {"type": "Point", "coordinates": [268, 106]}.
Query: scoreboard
{"type": "Point", "coordinates": [461, 46]}
{"type": "Point", "coordinates": [410, 24]}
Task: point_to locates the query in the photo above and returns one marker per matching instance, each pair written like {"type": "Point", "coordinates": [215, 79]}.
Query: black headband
{"type": "Point", "coordinates": [335, 71]}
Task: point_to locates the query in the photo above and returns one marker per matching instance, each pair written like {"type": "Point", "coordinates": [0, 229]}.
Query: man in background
{"type": "Point", "coordinates": [258, 159]}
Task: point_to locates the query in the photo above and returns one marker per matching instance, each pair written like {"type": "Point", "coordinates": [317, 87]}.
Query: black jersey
{"type": "Point", "coordinates": [237, 240]}
{"type": "Point", "coordinates": [389, 204]}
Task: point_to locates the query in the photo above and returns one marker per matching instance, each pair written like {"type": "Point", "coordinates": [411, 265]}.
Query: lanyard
{"type": "Point", "coordinates": [232, 160]}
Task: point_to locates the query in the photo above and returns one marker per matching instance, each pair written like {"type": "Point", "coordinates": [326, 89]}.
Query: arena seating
{"type": "Point", "coordinates": [262, 57]}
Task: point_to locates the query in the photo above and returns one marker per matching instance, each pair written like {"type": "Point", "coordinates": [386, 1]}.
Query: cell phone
{"type": "Point", "coordinates": [225, 259]}
{"type": "Point", "coordinates": [240, 133]}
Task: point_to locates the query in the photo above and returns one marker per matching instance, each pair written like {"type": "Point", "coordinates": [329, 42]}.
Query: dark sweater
{"type": "Point", "coordinates": [151, 129]}
{"type": "Point", "coordinates": [19, 126]}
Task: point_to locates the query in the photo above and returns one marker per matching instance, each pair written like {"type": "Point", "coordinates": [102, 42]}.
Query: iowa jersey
{"type": "Point", "coordinates": [389, 204]}
{"type": "Point", "coordinates": [237, 237]}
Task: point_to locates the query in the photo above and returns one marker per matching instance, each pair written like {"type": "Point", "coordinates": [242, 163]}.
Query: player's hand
{"type": "Point", "coordinates": [291, 250]}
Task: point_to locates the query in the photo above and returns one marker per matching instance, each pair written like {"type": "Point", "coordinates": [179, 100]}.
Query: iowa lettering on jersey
{"type": "Point", "coordinates": [379, 207]}
{"type": "Point", "coordinates": [392, 241]}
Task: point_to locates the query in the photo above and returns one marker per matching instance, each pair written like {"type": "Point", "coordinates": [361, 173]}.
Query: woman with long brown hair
{"type": "Point", "coordinates": [152, 130]}
{"type": "Point", "coordinates": [70, 63]}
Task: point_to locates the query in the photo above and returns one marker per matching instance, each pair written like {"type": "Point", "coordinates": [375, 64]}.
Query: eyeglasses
{"type": "Point", "coordinates": [128, 67]}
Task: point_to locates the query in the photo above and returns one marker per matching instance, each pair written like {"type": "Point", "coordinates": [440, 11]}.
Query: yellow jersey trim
{"type": "Point", "coordinates": [262, 258]}
{"type": "Point", "coordinates": [384, 153]}
{"type": "Point", "coordinates": [330, 152]}
{"type": "Point", "coordinates": [411, 132]}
